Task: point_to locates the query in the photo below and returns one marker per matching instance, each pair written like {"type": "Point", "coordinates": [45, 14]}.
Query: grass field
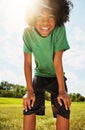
{"type": "Point", "coordinates": [11, 116]}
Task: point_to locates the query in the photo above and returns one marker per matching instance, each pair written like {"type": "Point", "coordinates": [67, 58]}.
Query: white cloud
{"type": "Point", "coordinates": [75, 57]}
{"type": "Point", "coordinates": [12, 15]}
{"type": "Point", "coordinates": [11, 58]}
{"type": "Point", "coordinates": [75, 85]}
{"type": "Point", "coordinates": [12, 77]}
{"type": "Point", "coordinates": [74, 60]}
{"type": "Point", "coordinates": [79, 34]}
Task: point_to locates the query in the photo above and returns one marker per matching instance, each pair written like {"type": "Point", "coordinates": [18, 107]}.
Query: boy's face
{"type": "Point", "coordinates": [45, 22]}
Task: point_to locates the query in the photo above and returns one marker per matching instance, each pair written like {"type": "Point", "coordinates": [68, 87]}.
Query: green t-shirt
{"type": "Point", "coordinates": [43, 49]}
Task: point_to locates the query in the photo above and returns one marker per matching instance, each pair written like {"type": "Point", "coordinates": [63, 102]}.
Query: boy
{"type": "Point", "coordinates": [46, 39]}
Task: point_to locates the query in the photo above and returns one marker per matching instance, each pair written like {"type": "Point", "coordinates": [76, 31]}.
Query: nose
{"type": "Point", "coordinates": [45, 20]}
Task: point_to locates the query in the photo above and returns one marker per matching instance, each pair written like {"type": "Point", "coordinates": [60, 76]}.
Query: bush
{"type": "Point", "coordinates": [6, 93]}
{"type": "Point", "coordinates": [15, 94]}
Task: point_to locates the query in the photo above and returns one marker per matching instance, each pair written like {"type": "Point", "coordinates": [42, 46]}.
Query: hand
{"type": "Point", "coordinates": [28, 100]}
{"type": "Point", "coordinates": [66, 99]}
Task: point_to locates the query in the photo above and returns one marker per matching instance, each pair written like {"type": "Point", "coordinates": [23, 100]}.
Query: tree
{"type": "Point", "coordinates": [76, 97]}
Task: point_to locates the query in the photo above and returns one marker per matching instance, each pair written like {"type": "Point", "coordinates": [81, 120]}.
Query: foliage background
{"type": "Point", "coordinates": [17, 91]}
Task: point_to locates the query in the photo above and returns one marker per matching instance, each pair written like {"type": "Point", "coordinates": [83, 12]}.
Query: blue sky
{"type": "Point", "coordinates": [12, 23]}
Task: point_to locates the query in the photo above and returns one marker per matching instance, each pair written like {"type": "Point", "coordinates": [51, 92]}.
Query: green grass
{"type": "Point", "coordinates": [78, 116]}
{"type": "Point", "coordinates": [11, 116]}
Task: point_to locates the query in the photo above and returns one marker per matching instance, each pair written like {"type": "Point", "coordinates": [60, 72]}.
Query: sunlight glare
{"type": "Point", "coordinates": [32, 8]}
{"type": "Point", "coordinates": [15, 10]}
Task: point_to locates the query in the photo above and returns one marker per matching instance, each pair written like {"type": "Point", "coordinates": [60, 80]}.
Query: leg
{"type": "Point", "coordinates": [62, 123]}
{"type": "Point", "coordinates": [29, 122]}
{"type": "Point", "coordinates": [62, 115]}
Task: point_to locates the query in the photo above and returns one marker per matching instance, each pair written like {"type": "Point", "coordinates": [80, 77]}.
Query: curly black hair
{"type": "Point", "coordinates": [60, 8]}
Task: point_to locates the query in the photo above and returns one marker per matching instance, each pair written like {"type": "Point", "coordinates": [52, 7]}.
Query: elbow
{"type": "Point", "coordinates": [58, 66]}
{"type": "Point", "coordinates": [27, 66]}
{"type": "Point", "coordinates": [57, 62]}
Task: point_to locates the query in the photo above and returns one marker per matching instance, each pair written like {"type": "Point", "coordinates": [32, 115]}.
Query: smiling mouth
{"type": "Point", "coordinates": [45, 28]}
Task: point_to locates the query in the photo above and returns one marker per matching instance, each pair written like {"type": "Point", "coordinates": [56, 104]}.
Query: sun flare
{"type": "Point", "coordinates": [15, 10]}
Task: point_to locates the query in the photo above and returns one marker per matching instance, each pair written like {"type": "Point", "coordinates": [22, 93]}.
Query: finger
{"type": "Point", "coordinates": [25, 105]}
{"type": "Point", "coordinates": [32, 103]}
{"type": "Point", "coordinates": [59, 101]}
{"type": "Point", "coordinates": [29, 104]}
{"type": "Point", "coordinates": [66, 104]}
{"type": "Point", "coordinates": [25, 108]}
{"type": "Point", "coordinates": [69, 102]}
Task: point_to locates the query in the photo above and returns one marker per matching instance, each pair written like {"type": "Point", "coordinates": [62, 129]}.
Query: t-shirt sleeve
{"type": "Point", "coordinates": [61, 42]}
{"type": "Point", "coordinates": [26, 45]}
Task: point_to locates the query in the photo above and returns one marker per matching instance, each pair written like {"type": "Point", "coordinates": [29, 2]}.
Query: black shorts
{"type": "Point", "coordinates": [42, 84]}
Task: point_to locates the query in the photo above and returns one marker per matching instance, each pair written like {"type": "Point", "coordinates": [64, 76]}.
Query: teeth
{"type": "Point", "coordinates": [45, 28]}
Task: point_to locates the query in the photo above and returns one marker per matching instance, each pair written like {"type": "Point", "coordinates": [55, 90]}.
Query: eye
{"type": "Point", "coordinates": [40, 15]}
{"type": "Point", "coordinates": [51, 16]}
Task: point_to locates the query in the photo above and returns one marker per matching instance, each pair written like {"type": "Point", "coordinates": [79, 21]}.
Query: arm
{"type": "Point", "coordinates": [59, 74]}
{"type": "Point", "coordinates": [29, 98]}
{"type": "Point", "coordinates": [28, 71]}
